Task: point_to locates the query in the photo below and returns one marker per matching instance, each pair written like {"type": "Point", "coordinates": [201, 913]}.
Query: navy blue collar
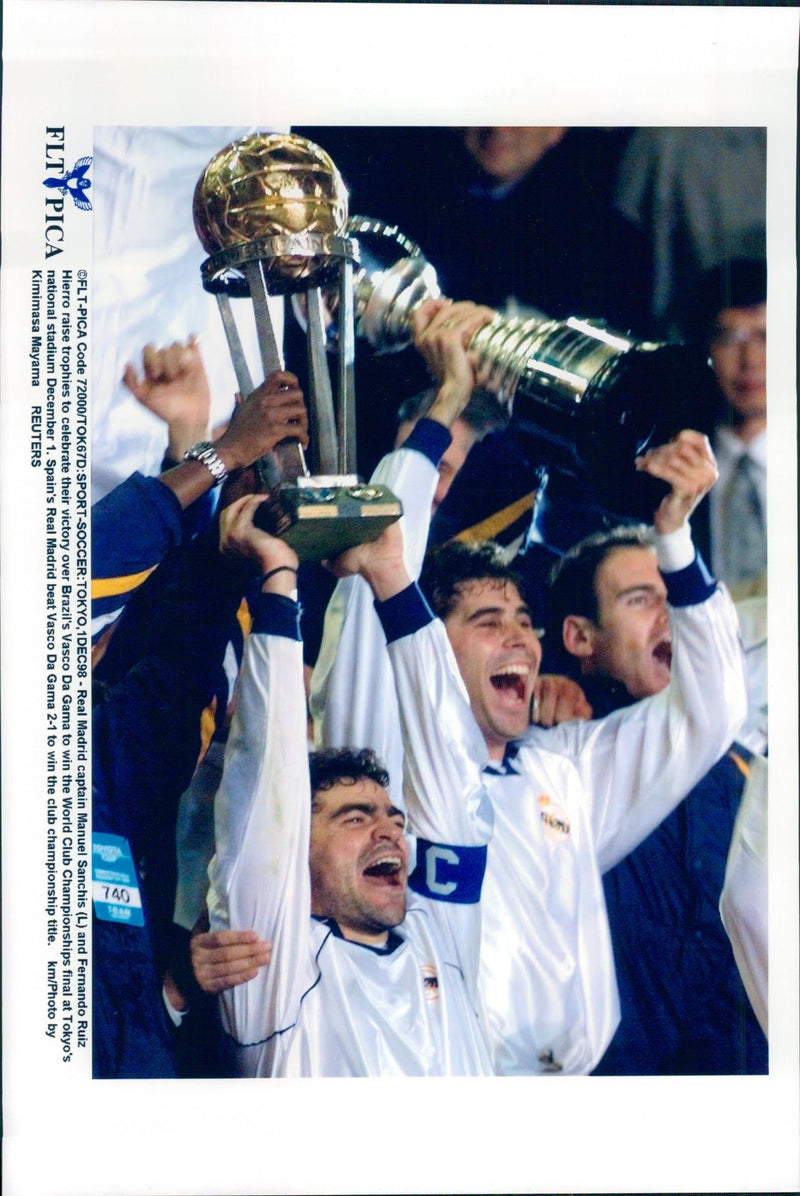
{"type": "Point", "coordinates": [507, 766]}
{"type": "Point", "coordinates": [393, 941]}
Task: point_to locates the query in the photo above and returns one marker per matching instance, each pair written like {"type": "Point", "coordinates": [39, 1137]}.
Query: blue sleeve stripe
{"type": "Point", "coordinates": [404, 614]}
{"type": "Point", "coordinates": [446, 873]}
{"type": "Point", "coordinates": [690, 586]}
{"type": "Point", "coordinates": [430, 438]}
{"type": "Point", "coordinates": [275, 614]}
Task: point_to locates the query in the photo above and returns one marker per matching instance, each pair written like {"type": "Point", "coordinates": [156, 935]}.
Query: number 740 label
{"type": "Point", "coordinates": [115, 886]}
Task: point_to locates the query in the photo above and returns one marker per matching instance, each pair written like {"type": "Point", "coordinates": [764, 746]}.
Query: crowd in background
{"type": "Point", "coordinates": [618, 962]}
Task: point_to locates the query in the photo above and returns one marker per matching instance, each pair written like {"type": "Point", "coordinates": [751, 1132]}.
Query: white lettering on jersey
{"type": "Point", "coordinates": [432, 857]}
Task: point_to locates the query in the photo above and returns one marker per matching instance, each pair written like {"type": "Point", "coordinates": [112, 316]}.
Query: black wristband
{"type": "Point", "coordinates": [277, 569]}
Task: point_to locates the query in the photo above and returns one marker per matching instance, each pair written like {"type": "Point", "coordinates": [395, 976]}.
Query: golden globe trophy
{"type": "Point", "coordinates": [270, 210]}
{"type": "Point", "coordinates": [598, 395]}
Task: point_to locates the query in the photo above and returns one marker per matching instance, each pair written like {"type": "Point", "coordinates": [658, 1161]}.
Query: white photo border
{"type": "Point", "coordinates": [79, 64]}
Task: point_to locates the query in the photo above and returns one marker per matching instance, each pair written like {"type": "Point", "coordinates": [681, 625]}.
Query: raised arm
{"type": "Point", "coordinates": [352, 694]}
{"type": "Point", "coordinates": [174, 386]}
{"type": "Point", "coordinates": [638, 763]}
{"type": "Point", "coordinates": [259, 876]}
{"type": "Point", "coordinates": [448, 807]}
{"type": "Point", "coordinates": [443, 787]}
{"type": "Point", "coordinates": [135, 525]}
{"type": "Point", "coordinates": [274, 411]}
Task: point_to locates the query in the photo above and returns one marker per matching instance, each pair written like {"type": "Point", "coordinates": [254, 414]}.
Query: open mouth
{"type": "Point", "coordinates": [663, 653]}
{"type": "Point", "coordinates": [512, 680]}
{"type": "Point", "coordinates": [387, 870]}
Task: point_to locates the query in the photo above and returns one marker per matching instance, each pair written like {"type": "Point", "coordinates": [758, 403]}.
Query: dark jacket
{"type": "Point", "coordinates": [146, 742]}
{"type": "Point", "coordinates": [684, 1008]}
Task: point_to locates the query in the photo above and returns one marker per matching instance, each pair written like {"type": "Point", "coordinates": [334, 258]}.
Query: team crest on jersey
{"type": "Point", "coordinates": [430, 982]}
{"type": "Point", "coordinates": [549, 1063]}
{"type": "Point", "coordinates": [554, 820]}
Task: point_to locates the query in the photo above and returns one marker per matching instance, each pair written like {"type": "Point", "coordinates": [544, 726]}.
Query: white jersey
{"type": "Point", "coordinates": [743, 902]}
{"type": "Point", "coordinates": [326, 1006]}
{"type": "Point", "coordinates": [581, 797]}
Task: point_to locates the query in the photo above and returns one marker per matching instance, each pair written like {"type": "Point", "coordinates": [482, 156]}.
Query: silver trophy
{"type": "Point", "coordinates": [271, 212]}
{"type": "Point", "coordinates": [599, 396]}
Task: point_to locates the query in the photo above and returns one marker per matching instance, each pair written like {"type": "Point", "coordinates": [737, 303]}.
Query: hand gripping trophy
{"type": "Point", "coordinates": [271, 210]}
{"type": "Point", "coordinates": [581, 389]}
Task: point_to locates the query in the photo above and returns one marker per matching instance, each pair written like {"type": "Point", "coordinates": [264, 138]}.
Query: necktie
{"type": "Point", "coordinates": [745, 526]}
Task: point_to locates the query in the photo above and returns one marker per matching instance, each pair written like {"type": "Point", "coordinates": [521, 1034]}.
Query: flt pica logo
{"type": "Point", "coordinates": [75, 184]}
{"type": "Point", "coordinates": [60, 184]}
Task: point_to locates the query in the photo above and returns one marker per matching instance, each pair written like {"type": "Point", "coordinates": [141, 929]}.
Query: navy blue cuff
{"type": "Point", "coordinates": [430, 438]}
{"type": "Point", "coordinates": [446, 873]}
{"type": "Point", "coordinates": [404, 613]}
{"type": "Point", "coordinates": [690, 586]}
{"type": "Point", "coordinates": [275, 614]}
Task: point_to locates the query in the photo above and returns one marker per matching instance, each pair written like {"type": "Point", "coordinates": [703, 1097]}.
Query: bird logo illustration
{"type": "Point", "coordinates": [74, 183]}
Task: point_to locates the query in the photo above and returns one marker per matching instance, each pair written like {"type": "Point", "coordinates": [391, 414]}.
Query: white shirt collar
{"type": "Point", "coordinates": [728, 445]}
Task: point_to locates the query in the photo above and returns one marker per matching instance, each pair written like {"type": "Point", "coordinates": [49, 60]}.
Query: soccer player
{"type": "Point", "coordinates": [364, 980]}
{"type": "Point", "coordinates": [684, 1010]}
{"type": "Point", "coordinates": [568, 803]}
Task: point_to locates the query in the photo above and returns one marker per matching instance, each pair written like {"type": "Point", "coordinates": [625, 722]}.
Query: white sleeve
{"type": "Point", "coordinates": [743, 903]}
{"type": "Point", "coordinates": [445, 750]}
{"type": "Point", "coordinates": [449, 809]}
{"type": "Point", "coordinates": [752, 614]}
{"type": "Point", "coordinates": [638, 763]}
{"type": "Point", "coordinates": [352, 700]}
{"type": "Point", "coordinates": [259, 876]}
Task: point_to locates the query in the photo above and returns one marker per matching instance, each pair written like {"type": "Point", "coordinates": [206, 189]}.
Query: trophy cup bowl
{"type": "Point", "coordinates": [271, 210]}
{"type": "Point", "coordinates": [578, 387]}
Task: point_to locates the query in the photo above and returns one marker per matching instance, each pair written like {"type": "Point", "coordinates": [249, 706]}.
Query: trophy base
{"type": "Point", "coordinates": [320, 522]}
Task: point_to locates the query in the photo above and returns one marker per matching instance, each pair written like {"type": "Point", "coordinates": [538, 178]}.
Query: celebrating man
{"type": "Point", "coordinates": [568, 803]}
{"type": "Point", "coordinates": [363, 981]}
